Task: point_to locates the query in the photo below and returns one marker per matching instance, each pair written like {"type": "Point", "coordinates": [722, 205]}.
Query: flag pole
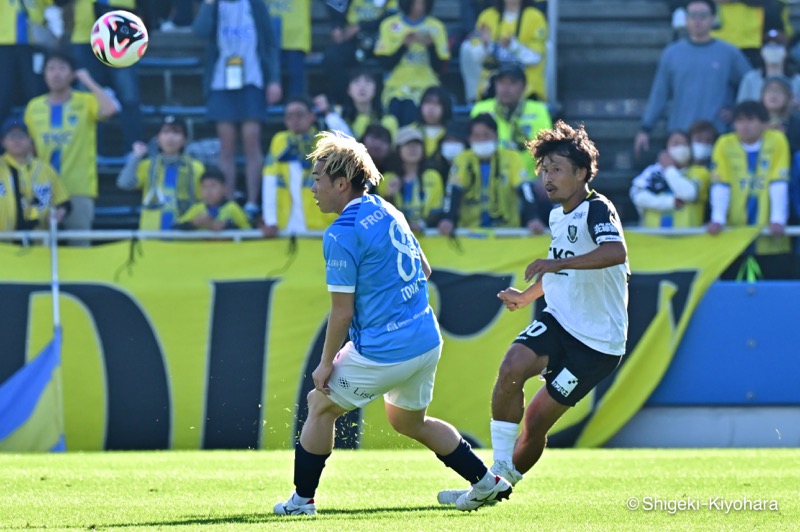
{"type": "Point", "coordinates": [54, 285]}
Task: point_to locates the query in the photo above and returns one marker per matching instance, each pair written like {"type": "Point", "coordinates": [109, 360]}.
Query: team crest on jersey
{"type": "Point", "coordinates": [572, 233]}
{"type": "Point", "coordinates": [72, 119]}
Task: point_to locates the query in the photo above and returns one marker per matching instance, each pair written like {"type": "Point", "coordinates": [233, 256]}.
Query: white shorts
{"type": "Point", "coordinates": [356, 381]}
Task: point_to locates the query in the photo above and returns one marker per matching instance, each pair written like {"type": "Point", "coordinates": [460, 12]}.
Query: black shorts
{"type": "Point", "coordinates": [573, 368]}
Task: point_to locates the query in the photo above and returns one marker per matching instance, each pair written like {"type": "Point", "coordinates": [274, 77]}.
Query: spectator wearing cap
{"type": "Point", "coordinates": [169, 178]}
{"type": "Point", "coordinates": [63, 126]}
{"type": "Point", "coordinates": [411, 185]}
{"type": "Point", "coordinates": [29, 187]}
{"type": "Point", "coordinates": [518, 118]}
{"type": "Point", "coordinates": [697, 76]}
{"type": "Point", "coordinates": [412, 45]}
{"type": "Point", "coordinates": [773, 63]}
{"type": "Point", "coordinates": [512, 31]}
{"type": "Point", "coordinates": [488, 186]}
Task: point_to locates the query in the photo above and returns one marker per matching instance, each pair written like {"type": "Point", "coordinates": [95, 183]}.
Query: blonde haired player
{"type": "Point", "coordinates": [377, 276]}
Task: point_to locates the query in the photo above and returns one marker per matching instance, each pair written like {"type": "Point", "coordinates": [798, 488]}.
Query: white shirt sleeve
{"type": "Point", "coordinates": [720, 198]}
{"type": "Point", "coordinates": [682, 187]}
{"type": "Point", "coordinates": [269, 199]}
{"type": "Point", "coordinates": [778, 202]}
{"type": "Point", "coordinates": [525, 55]}
{"type": "Point", "coordinates": [644, 199]}
{"type": "Point", "coordinates": [337, 123]}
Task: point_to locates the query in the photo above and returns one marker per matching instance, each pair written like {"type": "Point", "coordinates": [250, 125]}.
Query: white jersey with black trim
{"type": "Point", "coordinates": [592, 305]}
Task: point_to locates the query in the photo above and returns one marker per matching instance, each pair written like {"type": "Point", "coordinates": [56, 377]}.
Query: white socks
{"type": "Point", "coordinates": [487, 482]}
{"type": "Point", "coordinates": [297, 500]}
{"type": "Point", "coordinates": [504, 436]}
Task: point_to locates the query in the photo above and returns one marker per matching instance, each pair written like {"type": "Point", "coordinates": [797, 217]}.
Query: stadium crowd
{"type": "Point", "coordinates": [727, 86]}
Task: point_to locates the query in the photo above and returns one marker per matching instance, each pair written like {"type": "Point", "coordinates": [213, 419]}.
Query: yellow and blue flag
{"type": "Point", "coordinates": [31, 416]}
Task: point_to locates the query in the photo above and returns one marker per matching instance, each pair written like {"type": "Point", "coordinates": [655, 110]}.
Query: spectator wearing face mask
{"type": "Point", "coordinates": [702, 135]}
{"type": "Point", "coordinates": [452, 143]}
{"type": "Point", "coordinates": [774, 64]}
{"type": "Point", "coordinates": [488, 186]}
{"type": "Point", "coordinates": [673, 191]}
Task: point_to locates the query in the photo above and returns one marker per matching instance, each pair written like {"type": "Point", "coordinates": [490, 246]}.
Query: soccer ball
{"type": "Point", "coordinates": [119, 39]}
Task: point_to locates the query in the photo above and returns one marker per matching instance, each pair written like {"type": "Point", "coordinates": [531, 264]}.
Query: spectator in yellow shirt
{"type": "Point", "coordinates": [215, 212]}
{"type": "Point", "coordinates": [29, 187]}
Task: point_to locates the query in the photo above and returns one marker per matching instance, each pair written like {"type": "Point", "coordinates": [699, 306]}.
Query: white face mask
{"type": "Point", "coordinates": [484, 149]}
{"type": "Point", "coordinates": [773, 54]}
{"type": "Point", "coordinates": [451, 149]}
{"type": "Point", "coordinates": [701, 152]}
{"type": "Point", "coordinates": [680, 153]}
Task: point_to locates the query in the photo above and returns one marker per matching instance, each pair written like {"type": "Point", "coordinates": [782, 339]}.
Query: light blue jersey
{"type": "Point", "coordinates": [370, 251]}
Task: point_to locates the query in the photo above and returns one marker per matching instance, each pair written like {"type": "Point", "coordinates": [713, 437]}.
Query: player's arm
{"type": "Point", "coordinates": [426, 266]}
{"type": "Point", "coordinates": [513, 299]}
{"type": "Point", "coordinates": [342, 309]}
{"type": "Point", "coordinates": [603, 256]}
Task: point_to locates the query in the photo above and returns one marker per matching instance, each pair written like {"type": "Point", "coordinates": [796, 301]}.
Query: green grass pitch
{"type": "Point", "coordinates": [709, 489]}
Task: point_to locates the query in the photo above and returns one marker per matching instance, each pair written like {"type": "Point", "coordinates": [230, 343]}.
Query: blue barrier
{"type": "Point", "coordinates": [742, 347]}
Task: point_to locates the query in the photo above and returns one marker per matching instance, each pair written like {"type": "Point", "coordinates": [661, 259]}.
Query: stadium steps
{"type": "Point", "coordinates": [608, 52]}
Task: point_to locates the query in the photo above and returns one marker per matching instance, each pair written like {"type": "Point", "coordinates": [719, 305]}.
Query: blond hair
{"type": "Point", "coordinates": [342, 155]}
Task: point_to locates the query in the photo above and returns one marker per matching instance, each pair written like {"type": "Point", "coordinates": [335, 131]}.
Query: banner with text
{"type": "Point", "coordinates": [191, 345]}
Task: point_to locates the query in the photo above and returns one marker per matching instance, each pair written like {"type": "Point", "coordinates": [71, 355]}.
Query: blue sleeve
{"type": "Point", "coordinates": [659, 93]}
{"type": "Point", "coordinates": [341, 255]}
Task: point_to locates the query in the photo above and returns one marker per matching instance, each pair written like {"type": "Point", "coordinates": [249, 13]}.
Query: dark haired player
{"type": "Point", "coordinates": [579, 337]}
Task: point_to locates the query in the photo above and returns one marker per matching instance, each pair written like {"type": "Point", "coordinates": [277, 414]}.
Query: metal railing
{"type": "Point", "coordinates": [254, 234]}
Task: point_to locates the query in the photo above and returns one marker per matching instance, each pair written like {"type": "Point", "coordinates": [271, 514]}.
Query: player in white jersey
{"type": "Point", "coordinates": [579, 337]}
{"type": "Point", "coordinates": [377, 275]}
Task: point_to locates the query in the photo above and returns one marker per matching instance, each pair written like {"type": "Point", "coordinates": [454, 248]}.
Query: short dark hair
{"type": "Point", "coordinates": [59, 54]}
{"type": "Point", "coordinates": [484, 118]}
{"type": "Point", "coordinates": [406, 5]}
{"type": "Point", "coordinates": [301, 99]}
{"type": "Point", "coordinates": [703, 126]}
{"type": "Point", "coordinates": [212, 172]}
{"type": "Point", "coordinates": [378, 131]}
{"type": "Point", "coordinates": [751, 109]}
{"type": "Point", "coordinates": [574, 144]}
{"type": "Point", "coordinates": [710, 3]}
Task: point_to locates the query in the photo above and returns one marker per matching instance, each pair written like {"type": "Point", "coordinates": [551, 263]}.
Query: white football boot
{"type": "Point", "coordinates": [290, 508]}
{"type": "Point", "coordinates": [504, 469]}
{"type": "Point", "coordinates": [474, 498]}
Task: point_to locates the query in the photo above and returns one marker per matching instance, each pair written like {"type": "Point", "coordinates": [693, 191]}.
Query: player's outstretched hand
{"type": "Point", "coordinates": [321, 376]}
{"type": "Point", "coordinates": [512, 298]}
{"type": "Point", "coordinates": [541, 266]}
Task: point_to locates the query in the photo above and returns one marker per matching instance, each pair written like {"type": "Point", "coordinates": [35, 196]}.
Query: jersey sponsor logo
{"type": "Point", "coordinates": [565, 382]}
{"type": "Point", "coordinates": [334, 264]}
{"type": "Point", "coordinates": [57, 138]}
{"type": "Point", "coordinates": [578, 215]}
{"type": "Point", "coordinates": [559, 253]}
{"type": "Point", "coordinates": [606, 228]}
{"type": "Point", "coordinates": [572, 234]}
